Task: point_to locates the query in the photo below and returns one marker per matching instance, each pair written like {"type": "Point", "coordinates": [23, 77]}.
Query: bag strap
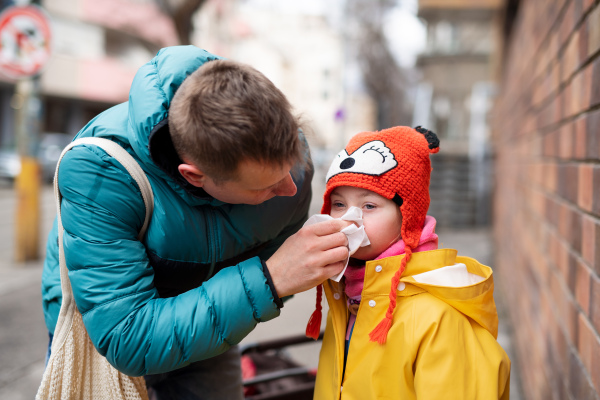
{"type": "Point", "coordinates": [68, 307]}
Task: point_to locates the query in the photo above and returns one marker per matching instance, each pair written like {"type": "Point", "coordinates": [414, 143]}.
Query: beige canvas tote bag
{"type": "Point", "coordinates": [75, 369]}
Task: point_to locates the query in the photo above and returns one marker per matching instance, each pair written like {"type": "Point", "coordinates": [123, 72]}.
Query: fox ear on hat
{"type": "Point", "coordinates": [432, 139]}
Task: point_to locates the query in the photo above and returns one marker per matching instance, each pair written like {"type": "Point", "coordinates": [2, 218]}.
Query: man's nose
{"type": "Point", "coordinates": [286, 188]}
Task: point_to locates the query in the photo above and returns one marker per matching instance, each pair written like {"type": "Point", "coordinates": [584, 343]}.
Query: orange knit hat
{"type": "Point", "coordinates": [393, 163]}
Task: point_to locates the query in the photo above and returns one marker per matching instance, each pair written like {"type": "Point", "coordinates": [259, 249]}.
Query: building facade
{"type": "Point", "coordinates": [453, 99]}
{"type": "Point", "coordinates": [96, 49]}
{"type": "Point", "coordinates": [546, 131]}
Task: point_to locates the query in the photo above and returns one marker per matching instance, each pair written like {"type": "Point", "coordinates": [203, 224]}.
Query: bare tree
{"type": "Point", "coordinates": [386, 82]}
{"type": "Point", "coordinates": [181, 13]}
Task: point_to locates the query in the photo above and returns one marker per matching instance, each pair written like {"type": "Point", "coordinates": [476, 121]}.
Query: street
{"type": "Point", "coordinates": [24, 339]}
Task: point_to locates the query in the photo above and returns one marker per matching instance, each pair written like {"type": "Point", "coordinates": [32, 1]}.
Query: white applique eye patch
{"type": "Point", "coordinates": [372, 158]}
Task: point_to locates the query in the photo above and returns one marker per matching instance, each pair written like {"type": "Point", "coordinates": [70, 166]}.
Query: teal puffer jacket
{"type": "Point", "coordinates": [195, 286]}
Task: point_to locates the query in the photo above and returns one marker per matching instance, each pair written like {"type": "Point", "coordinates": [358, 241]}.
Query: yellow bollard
{"type": "Point", "coordinates": [27, 220]}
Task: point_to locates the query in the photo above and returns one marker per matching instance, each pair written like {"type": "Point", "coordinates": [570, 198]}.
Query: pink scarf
{"type": "Point", "coordinates": [354, 276]}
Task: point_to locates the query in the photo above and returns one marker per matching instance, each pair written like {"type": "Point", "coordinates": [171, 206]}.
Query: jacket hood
{"type": "Point", "coordinates": [461, 282]}
{"type": "Point", "coordinates": [150, 97]}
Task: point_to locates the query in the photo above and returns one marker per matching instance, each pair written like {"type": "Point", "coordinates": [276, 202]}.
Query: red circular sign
{"type": "Point", "coordinates": [24, 41]}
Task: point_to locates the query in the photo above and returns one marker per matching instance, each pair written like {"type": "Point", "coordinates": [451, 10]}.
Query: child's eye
{"type": "Point", "coordinates": [370, 206]}
{"type": "Point", "coordinates": [337, 204]}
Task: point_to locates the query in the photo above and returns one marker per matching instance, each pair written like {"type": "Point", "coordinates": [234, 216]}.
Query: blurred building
{"type": "Point", "coordinates": [99, 45]}
{"type": "Point", "coordinates": [454, 99]}
{"type": "Point", "coordinates": [303, 54]}
{"type": "Point", "coordinates": [97, 48]}
{"type": "Point", "coordinates": [546, 131]}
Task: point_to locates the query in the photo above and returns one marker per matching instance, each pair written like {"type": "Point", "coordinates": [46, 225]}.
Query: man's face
{"type": "Point", "coordinates": [255, 183]}
{"type": "Point", "coordinates": [381, 217]}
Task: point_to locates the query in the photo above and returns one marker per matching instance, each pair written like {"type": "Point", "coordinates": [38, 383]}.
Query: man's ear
{"type": "Point", "coordinates": [192, 174]}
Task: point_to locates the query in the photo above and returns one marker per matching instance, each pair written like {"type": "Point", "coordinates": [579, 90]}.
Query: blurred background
{"type": "Point", "coordinates": [511, 87]}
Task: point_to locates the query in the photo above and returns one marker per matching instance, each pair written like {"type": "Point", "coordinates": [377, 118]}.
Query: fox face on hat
{"type": "Point", "coordinates": [393, 163]}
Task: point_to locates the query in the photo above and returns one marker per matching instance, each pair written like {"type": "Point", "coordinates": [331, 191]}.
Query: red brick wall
{"type": "Point", "coordinates": [546, 127]}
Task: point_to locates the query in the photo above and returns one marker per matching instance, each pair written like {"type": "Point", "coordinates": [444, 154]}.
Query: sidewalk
{"type": "Point", "coordinates": [23, 334]}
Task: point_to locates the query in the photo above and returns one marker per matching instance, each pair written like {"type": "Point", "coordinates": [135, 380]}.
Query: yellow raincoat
{"type": "Point", "coordinates": [442, 344]}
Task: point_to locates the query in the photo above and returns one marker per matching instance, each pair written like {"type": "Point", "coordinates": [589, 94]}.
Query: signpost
{"type": "Point", "coordinates": [25, 37]}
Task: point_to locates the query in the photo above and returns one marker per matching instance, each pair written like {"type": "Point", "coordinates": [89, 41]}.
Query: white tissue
{"type": "Point", "coordinates": [357, 237]}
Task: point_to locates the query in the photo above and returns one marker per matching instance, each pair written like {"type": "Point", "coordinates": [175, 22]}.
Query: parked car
{"type": "Point", "coordinates": [49, 149]}
{"type": "Point", "coordinates": [10, 164]}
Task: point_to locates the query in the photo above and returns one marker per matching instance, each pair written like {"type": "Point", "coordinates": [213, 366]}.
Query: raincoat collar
{"type": "Point", "coordinates": [475, 301]}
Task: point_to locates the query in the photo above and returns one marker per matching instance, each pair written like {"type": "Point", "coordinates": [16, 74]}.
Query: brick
{"type": "Point", "coordinates": [588, 240]}
{"type": "Point", "coordinates": [580, 138]}
{"type": "Point", "coordinates": [562, 261]}
{"type": "Point", "coordinates": [595, 303]}
{"type": "Point", "coordinates": [567, 24]}
{"type": "Point", "coordinates": [587, 342]}
{"type": "Point", "coordinates": [564, 220]}
{"type": "Point", "coordinates": [595, 82]}
{"type": "Point", "coordinates": [577, 95]}
{"type": "Point", "coordinates": [566, 141]}
{"type": "Point", "coordinates": [585, 186]}
{"type": "Point", "coordinates": [594, 32]}
{"type": "Point", "coordinates": [586, 93]}
{"type": "Point", "coordinates": [583, 284]}
{"type": "Point", "coordinates": [551, 212]}
{"type": "Point", "coordinates": [571, 320]}
{"type": "Point", "coordinates": [595, 350]}
{"type": "Point", "coordinates": [574, 237]}
{"type": "Point", "coordinates": [577, 11]}
{"type": "Point", "coordinates": [584, 33]}
{"type": "Point", "coordinates": [570, 57]}
{"type": "Point", "coordinates": [568, 182]}
{"type": "Point", "coordinates": [550, 172]}
{"type": "Point", "coordinates": [550, 144]}
{"type": "Point", "coordinates": [596, 193]}
{"type": "Point", "coordinates": [580, 387]}
{"type": "Point", "coordinates": [593, 134]}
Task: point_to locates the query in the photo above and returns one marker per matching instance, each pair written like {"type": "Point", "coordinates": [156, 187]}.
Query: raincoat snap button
{"type": "Point", "coordinates": [378, 268]}
{"type": "Point", "coordinates": [401, 286]}
{"type": "Point", "coordinates": [372, 303]}
{"type": "Point", "coordinates": [336, 296]}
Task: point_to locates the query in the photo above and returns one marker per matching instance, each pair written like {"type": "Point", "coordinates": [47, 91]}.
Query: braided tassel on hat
{"type": "Point", "coordinates": [313, 329]}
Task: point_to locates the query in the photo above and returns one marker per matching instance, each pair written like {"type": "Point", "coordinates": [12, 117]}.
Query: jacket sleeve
{"type": "Point", "coordinates": [112, 280]}
{"type": "Point", "coordinates": [459, 359]}
{"type": "Point", "coordinates": [51, 291]}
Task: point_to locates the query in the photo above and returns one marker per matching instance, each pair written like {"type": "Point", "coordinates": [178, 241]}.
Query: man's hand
{"type": "Point", "coordinates": [309, 257]}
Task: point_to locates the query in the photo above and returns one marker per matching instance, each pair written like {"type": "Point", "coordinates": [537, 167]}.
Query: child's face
{"type": "Point", "coordinates": [381, 217]}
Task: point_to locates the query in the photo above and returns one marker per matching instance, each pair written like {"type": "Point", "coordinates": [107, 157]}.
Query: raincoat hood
{"type": "Point", "coordinates": [461, 282]}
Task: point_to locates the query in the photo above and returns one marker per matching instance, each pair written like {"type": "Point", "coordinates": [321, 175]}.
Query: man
{"type": "Point", "coordinates": [231, 180]}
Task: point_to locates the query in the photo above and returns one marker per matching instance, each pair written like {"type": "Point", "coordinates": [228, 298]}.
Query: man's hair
{"type": "Point", "coordinates": [226, 112]}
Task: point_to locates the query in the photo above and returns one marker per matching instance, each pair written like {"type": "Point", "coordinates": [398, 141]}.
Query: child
{"type": "Point", "coordinates": [433, 335]}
